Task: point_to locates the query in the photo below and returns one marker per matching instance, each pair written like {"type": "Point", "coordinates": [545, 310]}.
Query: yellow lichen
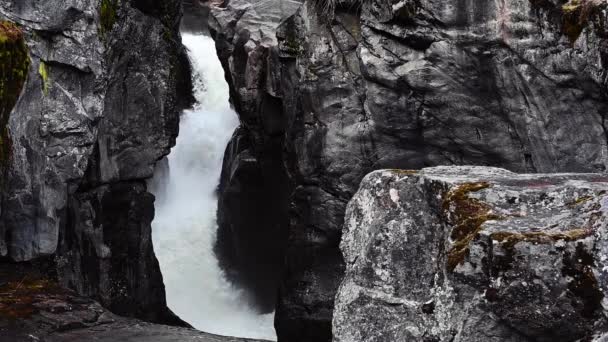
{"type": "Point", "coordinates": [580, 201]}
{"type": "Point", "coordinates": [44, 75]}
{"type": "Point", "coordinates": [571, 6]}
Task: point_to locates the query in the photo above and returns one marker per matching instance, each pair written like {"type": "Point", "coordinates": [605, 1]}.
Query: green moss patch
{"type": "Point", "coordinates": [14, 66]}
{"type": "Point", "coordinates": [467, 215]}
{"type": "Point", "coordinates": [108, 14]}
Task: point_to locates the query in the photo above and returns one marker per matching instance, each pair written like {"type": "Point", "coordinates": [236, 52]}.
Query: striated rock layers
{"type": "Point", "coordinates": [325, 99]}
{"type": "Point", "coordinates": [106, 83]}
{"type": "Point", "coordinates": [474, 254]}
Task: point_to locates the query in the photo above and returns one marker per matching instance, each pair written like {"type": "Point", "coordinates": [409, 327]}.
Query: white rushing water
{"type": "Point", "coordinates": [184, 228]}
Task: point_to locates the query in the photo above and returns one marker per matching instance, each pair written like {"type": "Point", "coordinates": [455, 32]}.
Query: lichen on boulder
{"type": "Point", "coordinates": [14, 65]}
{"type": "Point", "coordinates": [474, 254]}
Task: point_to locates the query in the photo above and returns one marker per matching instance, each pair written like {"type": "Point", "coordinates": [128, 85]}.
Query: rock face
{"type": "Point", "coordinates": [397, 84]}
{"type": "Point", "coordinates": [254, 181]}
{"type": "Point", "coordinates": [474, 254]}
{"type": "Point", "coordinates": [100, 106]}
{"type": "Point", "coordinates": [36, 309]}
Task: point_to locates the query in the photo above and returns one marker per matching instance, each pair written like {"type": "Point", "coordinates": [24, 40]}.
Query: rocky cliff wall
{"type": "Point", "coordinates": [100, 106]}
{"type": "Point", "coordinates": [254, 186]}
{"type": "Point", "coordinates": [398, 84]}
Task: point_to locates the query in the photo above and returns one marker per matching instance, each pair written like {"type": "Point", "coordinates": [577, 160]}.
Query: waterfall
{"type": "Point", "coordinates": [184, 228]}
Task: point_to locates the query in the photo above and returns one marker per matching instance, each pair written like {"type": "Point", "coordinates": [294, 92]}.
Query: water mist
{"type": "Point", "coordinates": [184, 228]}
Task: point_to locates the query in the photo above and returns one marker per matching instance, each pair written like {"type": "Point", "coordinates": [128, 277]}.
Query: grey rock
{"type": "Point", "coordinates": [106, 252]}
{"type": "Point", "coordinates": [254, 182]}
{"type": "Point", "coordinates": [52, 125]}
{"type": "Point", "coordinates": [196, 16]}
{"type": "Point", "coordinates": [406, 84]}
{"type": "Point", "coordinates": [100, 107]}
{"type": "Point", "coordinates": [474, 254]}
{"type": "Point", "coordinates": [57, 315]}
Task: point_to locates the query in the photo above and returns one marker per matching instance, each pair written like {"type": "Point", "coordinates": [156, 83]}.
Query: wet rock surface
{"type": "Point", "coordinates": [403, 84]}
{"type": "Point", "coordinates": [474, 254]}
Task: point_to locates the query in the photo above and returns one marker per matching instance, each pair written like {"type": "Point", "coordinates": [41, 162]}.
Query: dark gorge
{"type": "Point", "coordinates": [412, 170]}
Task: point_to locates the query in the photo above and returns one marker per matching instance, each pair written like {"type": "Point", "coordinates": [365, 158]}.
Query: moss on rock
{"type": "Point", "coordinates": [108, 14]}
{"type": "Point", "coordinates": [14, 66]}
{"type": "Point", "coordinates": [580, 200]}
{"type": "Point", "coordinates": [402, 172]}
{"type": "Point", "coordinates": [510, 239]}
{"type": "Point", "coordinates": [467, 215]}
{"type": "Point", "coordinates": [575, 15]}
{"type": "Point", "coordinates": [44, 75]}
{"type": "Point", "coordinates": [18, 298]}
{"type": "Point", "coordinates": [574, 20]}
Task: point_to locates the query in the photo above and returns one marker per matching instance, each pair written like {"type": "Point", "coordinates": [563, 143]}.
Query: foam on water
{"type": "Point", "coordinates": [184, 228]}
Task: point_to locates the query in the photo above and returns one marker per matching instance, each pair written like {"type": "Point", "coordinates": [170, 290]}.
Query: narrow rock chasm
{"type": "Point", "coordinates": [185, 236]}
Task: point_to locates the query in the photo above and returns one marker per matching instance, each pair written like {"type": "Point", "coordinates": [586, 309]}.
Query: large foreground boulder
{"type": "Point", "coordinates": [474, 254]}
